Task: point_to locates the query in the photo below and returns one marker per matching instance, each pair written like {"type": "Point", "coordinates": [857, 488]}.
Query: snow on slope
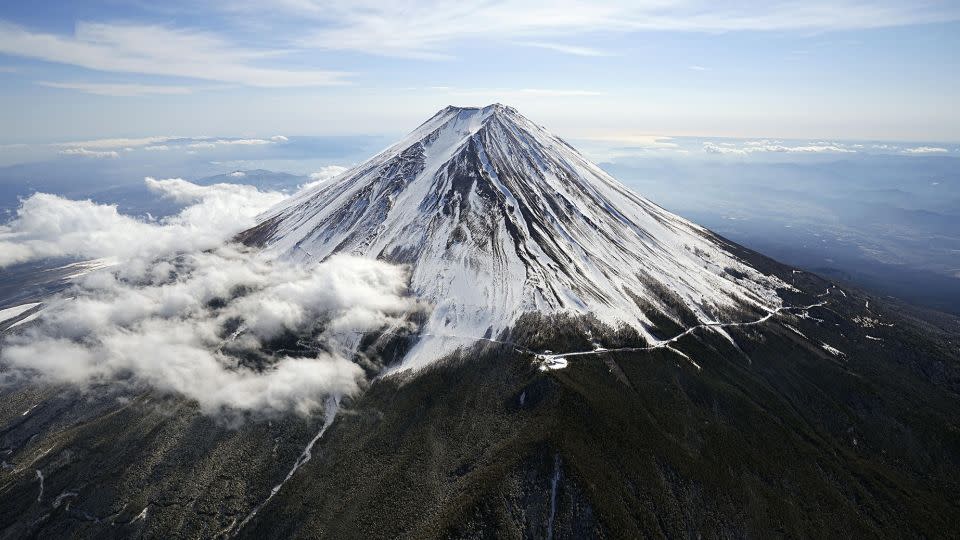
{"type": "Point", "coordinates": [497, 217]}
{"type": "Point", "coordinates": [11, 313]}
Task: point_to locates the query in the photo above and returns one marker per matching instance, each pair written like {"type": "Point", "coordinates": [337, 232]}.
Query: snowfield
{"type": "Point", "coordinates": [11, 313]}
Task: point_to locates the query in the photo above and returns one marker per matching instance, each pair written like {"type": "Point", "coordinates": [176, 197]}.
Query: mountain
{"type": "Point", "coordinates": [496, 217]}
{"type": "Point", "coordinates": [588, 366]}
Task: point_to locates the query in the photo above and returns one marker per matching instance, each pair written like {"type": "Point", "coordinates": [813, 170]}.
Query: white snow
{"type": "Point", "coordinates": [553, 496]}
{"type": "Point", "coordinates": [551, 362]}
{"type": "Point", "coordinates": [141, 515]}
{"type": "Point", "coordinates": [14, 312]}
{"type": "Point", "coordinates": [832, 350]}
{"type": "Point", "coordinates": [548, 359]}
{"type": "Point", "coordinates": [798, 332]}
{"type": "Point", "coordinates": [40, 478]}
{"type": "Point", "coordinates": [497, 217]}
{"type": "Point", "coordinates": [29, 318]}
{"type": "Point", "coordinates": [82, 268]}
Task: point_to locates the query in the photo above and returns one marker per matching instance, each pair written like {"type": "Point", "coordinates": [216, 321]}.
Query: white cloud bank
{"type": "Point", "coordinates": [51, 226]}
{"type": "Point", "coordinates": [920, 150]}
{"type": "Point", "coordinates": [182, 325]}
{"type": "Point", "coordinates": [83, 152]}
{"type": "Point", "coordinates": [764, 146]}
{"type": "Point", "coordinates": [214, 143]}
{"type": "Point", "coordinates": [102, 144]}
{"type": "Point", "coordinates": [186, 307]}
{"type": "Point", "coordinates": [322, 176]}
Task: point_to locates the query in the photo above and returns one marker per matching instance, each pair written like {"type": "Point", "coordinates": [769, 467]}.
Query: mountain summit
{"type": "Point", "coordinates": [497, 217]}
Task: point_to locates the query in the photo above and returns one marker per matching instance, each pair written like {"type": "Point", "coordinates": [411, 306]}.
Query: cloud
{"type": "Point", "coordinates": [119, 90]}
{"type": "Point", "coordinates": [764, 146]}
{"type": "Point", "coordinates": [243, 142]}
{"type": "Point", "coordinates": [566, 49]}
{"type": "Point", "coordinates": [83, 152]}
{"type": "Point", "coordinates": [322, 176]}
{"type": "Point", "coordinates": [925, 150]}
{"type": "Point", "coordinates": [158, 50]}
{"type": "Point", "coordinates": [507, 94]}
{"type": "Point", "coordinates": [188, 313]}
{"type": "Point", "coordinates": [427, 29]}
{"type": "Point", "coordinates": [699, 68]}
{"type": "Point", "coordinates": [158, 143]}
{"type": "Point", "coordinates": [641, 141]}
{"type": "Point", "coordinates": [203, 145]}
{"type": "Point", "coordinates": [194, 326]}
{"type": "Point", "coordinates": [555, 92]}
{"type": "Point", "coordinates": [117, 143]}
{"type": "Point", "coordinates": [51, 226]}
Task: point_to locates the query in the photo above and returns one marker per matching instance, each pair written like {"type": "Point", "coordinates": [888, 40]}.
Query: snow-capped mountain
{"type": "Point", "coordinates": [496, 217]}
{"type": "Point", "coordinates": [829, 412]}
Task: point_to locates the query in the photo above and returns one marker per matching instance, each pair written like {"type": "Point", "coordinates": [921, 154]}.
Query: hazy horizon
{"type": "Point", "coordinates": [609, 70]}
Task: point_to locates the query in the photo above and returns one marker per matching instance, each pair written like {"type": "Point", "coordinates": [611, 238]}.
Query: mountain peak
{"type": "Point", "coordinates": [465, 120]}
{"type": "Point", "coordinates": [497, 217]}
{"type": "Point", "coordinates": [492, 108]}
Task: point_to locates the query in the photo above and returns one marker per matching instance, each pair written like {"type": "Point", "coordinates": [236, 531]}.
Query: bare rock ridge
{"type": "Point", "coordinates": [497, 217]}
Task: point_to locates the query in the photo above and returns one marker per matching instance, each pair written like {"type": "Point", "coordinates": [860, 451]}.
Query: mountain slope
{"type": "Point", "coordinates": [497, 217]}
{"type": "Point", "coordinates": [778, 439]}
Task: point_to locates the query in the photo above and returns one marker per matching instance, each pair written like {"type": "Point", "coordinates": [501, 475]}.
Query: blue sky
{"type": "Point", "coordinates": [614, 70]}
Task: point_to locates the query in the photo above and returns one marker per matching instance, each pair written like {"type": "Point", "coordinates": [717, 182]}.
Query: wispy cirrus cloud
{"type": "Point", "coordinates": [565, 48]}
{"type": "Point", "coordinates": [494, 94]}
{"type": "Point", "coordinates": [426, 29]}
{"type": "Point", "coordinates": [158, 50]}
{"type": "Point", "coordinates": [119, 89]}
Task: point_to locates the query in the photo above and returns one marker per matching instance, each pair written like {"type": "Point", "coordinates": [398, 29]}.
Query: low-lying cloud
{"type": "Point", "coordinates": [764, 146]}
{"type": "Point", "coordinates": [83, 152]}
{"type": "Point", "coordinates": [52, 226]}
{"type": "Point", "coordinates": [926, 150]}
{"type": "Point", "coordinates": [192, 326]}
{"type": "Point", "coordinates": [322, 176]}
{"type": "Point", "coordinates": [188, 312]}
